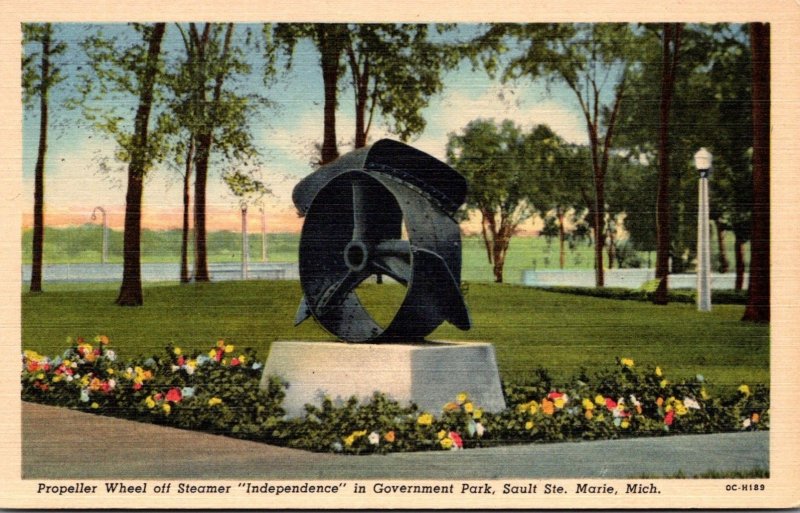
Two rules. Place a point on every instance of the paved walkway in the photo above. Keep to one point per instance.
(61, 443)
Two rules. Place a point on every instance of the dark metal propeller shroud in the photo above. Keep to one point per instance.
(354, 209)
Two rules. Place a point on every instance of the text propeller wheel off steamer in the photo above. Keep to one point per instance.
(355, 209)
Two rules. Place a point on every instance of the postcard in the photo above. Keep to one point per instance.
(428, 255)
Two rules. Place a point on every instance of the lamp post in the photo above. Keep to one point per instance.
(702, 161)
(104, 255)
(263, 235)
(245, 242)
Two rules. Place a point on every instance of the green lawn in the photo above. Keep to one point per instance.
(529, 328)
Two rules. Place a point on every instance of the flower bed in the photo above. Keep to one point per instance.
(218, 391)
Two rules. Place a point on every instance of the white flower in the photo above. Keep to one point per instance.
(479, 429)
(187, 392)
(746, 423)
(189, 369)
(256, 365)
(84, 395)
(112, 383)
(111, 355)
(336, 446)
(174, 368)
(68, 377)
(634, 401)
(374, 438)
(691, 403)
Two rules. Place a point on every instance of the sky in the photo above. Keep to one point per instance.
(284, 134)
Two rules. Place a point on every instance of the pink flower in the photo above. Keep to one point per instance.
(610, 403)
(181, 361)
(174, 395)
(158, 396)
(456, 438)
(669, 418)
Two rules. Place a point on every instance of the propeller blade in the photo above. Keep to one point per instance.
(303, 312)
(337, 293)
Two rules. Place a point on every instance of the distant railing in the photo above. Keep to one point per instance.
(627, 278)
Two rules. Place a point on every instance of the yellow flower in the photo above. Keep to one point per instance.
(625, 424)
(529, 425)
(658, 371)
(446, 443)
(599, 400)
(214, 401)
(85, 380)
(95, 406)
(150, 402)
(587, 404)
(40, 375)
(627, 362)
(468, 407)
(664, 383)
(745, 390)
(67, 363)
(681, 409)
(355, 435)
(559, 402)
(220, 343)
(704, 394)
(57, 378)
(242, 359)
(167, 408)
(441, 434)
(229, 348)
(177, 351)
(426, 419)
(461, 398)
(477, 414)
(110, 371)
(212, 353)
(600, 418)
(33, 355)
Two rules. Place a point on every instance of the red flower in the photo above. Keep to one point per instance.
(137, 386)
(555, 395)
(456, 438)
(158, 396)
(234, 362)
(610, 403)
(219, 355)
(174, 395)
(181, 361)
(106, 387)
(669, 418)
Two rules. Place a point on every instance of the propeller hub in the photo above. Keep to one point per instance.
(356, 255)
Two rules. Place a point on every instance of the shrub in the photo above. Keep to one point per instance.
(219, 392)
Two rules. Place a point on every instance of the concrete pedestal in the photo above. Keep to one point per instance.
(429, 374)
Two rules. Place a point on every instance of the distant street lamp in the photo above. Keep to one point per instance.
(104, 255)
(263, 235)
(245, 243)
(702, 161)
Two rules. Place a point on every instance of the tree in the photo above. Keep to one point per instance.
(129, 70)
(208, 120)
(37, 83)
(593, 61)
(501, 182)
(758, 298)
(670, 52)
(394, 70)
(330, 40)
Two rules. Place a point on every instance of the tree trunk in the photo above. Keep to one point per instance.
(758, 299)
(561, 237)
(200, 180)
(330, 41)
(130, 293)
(38, 190)
(724, 265)
(599, 215)
(187, 177)
(669, 54)
(738, 246)
(612, 248)
(205, 140)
